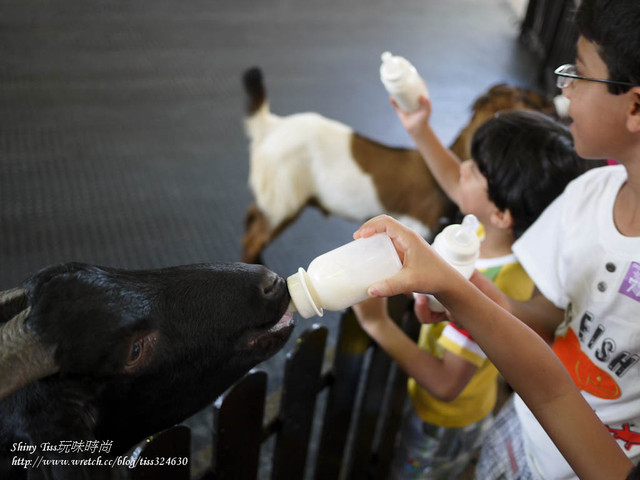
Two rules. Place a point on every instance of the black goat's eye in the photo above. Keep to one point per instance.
(136, 352)
(141, 352)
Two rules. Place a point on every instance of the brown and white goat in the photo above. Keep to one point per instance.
(91, 353)
(307, 159)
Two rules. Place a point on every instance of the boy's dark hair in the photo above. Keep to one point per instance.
(613, 26)
(527, 158)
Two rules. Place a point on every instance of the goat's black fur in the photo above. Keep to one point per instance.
(204, 327)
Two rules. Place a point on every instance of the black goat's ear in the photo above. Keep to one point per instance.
(12, 302)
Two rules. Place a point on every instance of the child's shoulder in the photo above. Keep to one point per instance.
(597, 179)
(587, 197)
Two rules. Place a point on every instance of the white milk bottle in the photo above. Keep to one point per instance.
(340, 278)
(402, 81)
(459, 245)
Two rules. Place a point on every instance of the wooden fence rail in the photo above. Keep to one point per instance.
(364, 395)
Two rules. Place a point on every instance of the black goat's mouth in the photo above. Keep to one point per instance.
(278, 333)
(284, 322)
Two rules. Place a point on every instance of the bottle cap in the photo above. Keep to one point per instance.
(459, 244)
(301, 295)
(393, 67)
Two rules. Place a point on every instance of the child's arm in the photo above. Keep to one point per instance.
(442, 162)
(524, 359)
(540, 314)
(443, 377)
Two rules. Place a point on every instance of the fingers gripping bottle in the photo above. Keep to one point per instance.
(340, 278)
(459, 245)
(402, 81)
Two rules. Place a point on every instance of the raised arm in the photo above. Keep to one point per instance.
(442, 162)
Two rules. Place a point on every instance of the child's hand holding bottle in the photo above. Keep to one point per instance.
(414, 122)
(371, 312)
(423, 312)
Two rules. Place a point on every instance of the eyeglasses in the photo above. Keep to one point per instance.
(568, 73)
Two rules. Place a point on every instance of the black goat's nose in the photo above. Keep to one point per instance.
(272, 285)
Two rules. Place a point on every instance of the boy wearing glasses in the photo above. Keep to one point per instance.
(583, 254)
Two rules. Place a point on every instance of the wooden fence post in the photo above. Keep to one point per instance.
(301, 384)
(239, 413)
(351, 346)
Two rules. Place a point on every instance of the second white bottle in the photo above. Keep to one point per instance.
(459, 245)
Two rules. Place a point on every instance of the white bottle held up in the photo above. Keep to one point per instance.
(459, 245)
(340, 278)
(402, 81)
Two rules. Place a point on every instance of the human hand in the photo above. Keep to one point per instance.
(423, 271)
(414, 122)
(371, 311)
(424, 314)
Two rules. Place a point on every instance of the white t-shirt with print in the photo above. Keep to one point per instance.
(580, 262)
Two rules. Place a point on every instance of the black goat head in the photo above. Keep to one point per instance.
(92, 352)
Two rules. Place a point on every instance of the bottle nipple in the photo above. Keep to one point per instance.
(467, 231)
(392, 68)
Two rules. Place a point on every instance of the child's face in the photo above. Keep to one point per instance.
(598, 126)
(474, 193)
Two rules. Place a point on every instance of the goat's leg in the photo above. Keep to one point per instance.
(257, 234)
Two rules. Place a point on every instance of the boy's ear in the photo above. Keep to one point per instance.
(501, 218)
(633, 120)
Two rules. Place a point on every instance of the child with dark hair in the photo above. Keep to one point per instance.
(521, 161)
(527, 160)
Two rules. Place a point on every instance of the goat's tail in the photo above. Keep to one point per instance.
(254, 87)
(259, 118)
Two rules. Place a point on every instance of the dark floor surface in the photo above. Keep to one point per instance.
(121, 135)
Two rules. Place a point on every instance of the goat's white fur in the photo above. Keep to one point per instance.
(302, 156)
